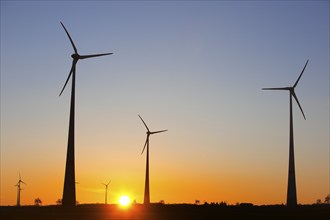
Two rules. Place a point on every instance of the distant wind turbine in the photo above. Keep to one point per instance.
(292, 192)
(69, 191)
(106, 191)
(19, 190)
(146, 188)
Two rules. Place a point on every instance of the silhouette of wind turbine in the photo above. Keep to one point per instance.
(292, 192)
(69, 191)
(19, 190)
(146, 188)
(106, 191)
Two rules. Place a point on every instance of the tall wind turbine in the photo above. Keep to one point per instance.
(146, 187)
(19, 190)
(291, 200)
(69, 191)
(106, 191)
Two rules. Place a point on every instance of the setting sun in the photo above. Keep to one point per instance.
(124, 200)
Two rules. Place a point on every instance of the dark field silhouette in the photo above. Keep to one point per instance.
(160, 211)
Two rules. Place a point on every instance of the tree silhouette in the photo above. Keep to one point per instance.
(59, 202)
(37, 202)
(327, 199)
(223, 203)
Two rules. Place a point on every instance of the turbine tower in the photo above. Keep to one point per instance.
(106, 191)
(291, 200)
(19, 190)
(146, 187)
(69, 191)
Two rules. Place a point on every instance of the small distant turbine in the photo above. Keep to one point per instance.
(19, 190)
(69, 189)
(292, 192)
(146, 188)
(106, 191)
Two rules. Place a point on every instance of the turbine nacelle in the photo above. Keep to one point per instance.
(106, 185)
(75, 56)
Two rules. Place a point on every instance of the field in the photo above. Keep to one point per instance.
(159, 211)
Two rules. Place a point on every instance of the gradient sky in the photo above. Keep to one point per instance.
(194, 68)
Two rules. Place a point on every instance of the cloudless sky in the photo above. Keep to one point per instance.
(195, 68)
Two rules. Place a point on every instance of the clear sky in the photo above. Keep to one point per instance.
(195, 68)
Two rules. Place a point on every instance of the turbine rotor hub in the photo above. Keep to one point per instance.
(75, 56)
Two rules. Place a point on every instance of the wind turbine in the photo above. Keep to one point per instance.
(146, 187)
(291, 200)
(69, 191)
(106, 191)
(19, 190)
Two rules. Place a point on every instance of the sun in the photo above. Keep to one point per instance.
(124, 200)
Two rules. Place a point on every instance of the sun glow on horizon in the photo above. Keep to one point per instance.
(124, 201)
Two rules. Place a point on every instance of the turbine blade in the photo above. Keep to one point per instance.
(147, 140)
(155, 132)
(144, 123)
(280, 88)
(300, 75)
(94, 55)
(23, 182)
(295, 97)
(74, 47)
(72, 69)
(109, 182)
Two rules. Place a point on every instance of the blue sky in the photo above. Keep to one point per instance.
(195, 68)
